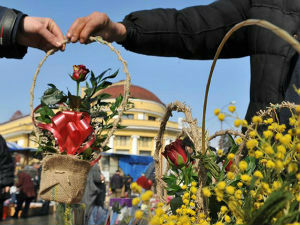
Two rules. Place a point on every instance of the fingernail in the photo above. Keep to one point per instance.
(68, 35)
(58, 44)
(73, 39)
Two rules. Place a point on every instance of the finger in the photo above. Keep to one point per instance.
(86, 32)
(50, 38)
(72, 28)
(54, 29)
(76, 30)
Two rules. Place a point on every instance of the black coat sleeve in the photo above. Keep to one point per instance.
(191, 33)
(10, 22)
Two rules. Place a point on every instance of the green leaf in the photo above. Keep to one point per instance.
(111, 76)
(52, 96)
(275, 203)
(99, 77)
(175, 203)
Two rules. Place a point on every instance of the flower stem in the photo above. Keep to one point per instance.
(77, 93)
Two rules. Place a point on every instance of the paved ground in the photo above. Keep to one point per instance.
(36, 220)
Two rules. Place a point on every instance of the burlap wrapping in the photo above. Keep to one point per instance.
(63, 179)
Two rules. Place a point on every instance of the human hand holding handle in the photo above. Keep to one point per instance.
(96, 24)
(41, 33)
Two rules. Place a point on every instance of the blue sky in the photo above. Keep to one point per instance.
(169, 78)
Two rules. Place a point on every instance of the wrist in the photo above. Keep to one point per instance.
(120, 32)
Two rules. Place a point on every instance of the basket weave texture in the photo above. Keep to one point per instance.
(63, 178)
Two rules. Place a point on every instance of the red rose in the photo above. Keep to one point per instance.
(227, 168)
(144, 182)
(80, 72)
(175, 154)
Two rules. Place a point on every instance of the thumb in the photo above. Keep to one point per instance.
(50, 38)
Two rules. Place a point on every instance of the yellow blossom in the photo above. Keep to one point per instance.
(206, 192)
(231, 108)
(194, 184)
(219, 223)
(256, 119)
(217, 111)
(221, 185)
(192, 204)
(281, 149)
(230, 190)
(243, 165)
(183, 187)
(159, 211)
(286, 139)
(251, 143)
(139, 214)
(237, 123)
(246, 178)
(221, 116)
(279, 165)
(230, 175)
(253, 133)
(194, 197)
(278, 136)
(193, 190)
(238, 140)
(230, 156)
(239, 184)
(155, 220)
(135, 201)
(227, 219)
(220, 152)
(238, 194)
(292, 168)
(223, 209)
(268, 134)
(258, 154)
(269, 150)
(276, 185)
(270, 164)
(258, 174)
(244, 123)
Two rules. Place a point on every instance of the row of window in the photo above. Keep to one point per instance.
(125, 140)
(130, 116)
(141, 152)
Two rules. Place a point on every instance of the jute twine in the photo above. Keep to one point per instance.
(177, 106)
(63, 177)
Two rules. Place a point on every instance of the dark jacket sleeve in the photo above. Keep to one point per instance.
(191, 33)
(6, 165)
(10, 22)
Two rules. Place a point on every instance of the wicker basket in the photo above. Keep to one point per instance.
(63, 177)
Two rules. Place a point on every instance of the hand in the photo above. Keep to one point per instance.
(41, 33)
(6, 189)
(96, 24)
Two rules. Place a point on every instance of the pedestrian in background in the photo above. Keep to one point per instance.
(6, 173)
(27, 194)
(116, 184)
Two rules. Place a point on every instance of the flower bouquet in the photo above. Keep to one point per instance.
(71, 130)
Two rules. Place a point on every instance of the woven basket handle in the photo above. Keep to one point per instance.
(123, 104)
(262, 23)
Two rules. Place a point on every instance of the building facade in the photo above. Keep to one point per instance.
(142, 124)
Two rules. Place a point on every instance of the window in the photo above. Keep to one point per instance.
(145, 152)
(151, 118)
(128, 116)
(122, 151)
(145, 141)
(122, 140)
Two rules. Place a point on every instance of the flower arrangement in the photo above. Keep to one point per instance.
(72, 124)
(71, 131)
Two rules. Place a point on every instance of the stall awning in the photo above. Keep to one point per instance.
(15, 147)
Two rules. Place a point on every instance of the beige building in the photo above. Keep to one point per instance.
(142, 124)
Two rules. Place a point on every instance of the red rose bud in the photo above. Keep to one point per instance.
(227, 168)
(175, 154)
(144, 182)
(80, 72)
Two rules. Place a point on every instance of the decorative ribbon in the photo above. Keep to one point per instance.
(70, 130)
